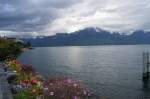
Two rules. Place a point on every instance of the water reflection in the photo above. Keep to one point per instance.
(146, 88)
(146, 84)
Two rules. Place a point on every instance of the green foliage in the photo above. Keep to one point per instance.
(24, 94)
(9, 48)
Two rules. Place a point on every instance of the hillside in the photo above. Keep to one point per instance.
(91, 36)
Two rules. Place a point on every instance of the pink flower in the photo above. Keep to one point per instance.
(51, 84)
(89, 94)
(75, 97)
(51, 93)
(84, 92)
(69, 80)
(75, 85)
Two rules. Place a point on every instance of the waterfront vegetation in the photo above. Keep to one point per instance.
(9, 48)
(29, 84)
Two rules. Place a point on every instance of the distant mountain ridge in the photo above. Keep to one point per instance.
(91, 36)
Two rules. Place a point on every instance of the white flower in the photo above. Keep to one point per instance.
(51, 93)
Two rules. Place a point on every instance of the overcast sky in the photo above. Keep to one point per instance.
(47, 17)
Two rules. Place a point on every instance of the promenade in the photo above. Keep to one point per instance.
(5, 92)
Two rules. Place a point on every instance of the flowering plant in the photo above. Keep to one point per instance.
(64, 88)
(30, 84)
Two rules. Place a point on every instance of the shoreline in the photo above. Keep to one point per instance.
(40, 84)
(26, 83)
(59, 85)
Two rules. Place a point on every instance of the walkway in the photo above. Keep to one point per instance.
(5, 92)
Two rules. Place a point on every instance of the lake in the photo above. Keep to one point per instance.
(112, 72)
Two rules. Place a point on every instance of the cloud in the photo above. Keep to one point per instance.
(47, 17)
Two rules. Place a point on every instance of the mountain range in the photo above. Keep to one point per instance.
(91, 36)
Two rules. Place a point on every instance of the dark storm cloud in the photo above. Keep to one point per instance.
(29, 15)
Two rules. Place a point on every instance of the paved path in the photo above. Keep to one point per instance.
(5, 92)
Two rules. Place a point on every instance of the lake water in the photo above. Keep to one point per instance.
(112, 72)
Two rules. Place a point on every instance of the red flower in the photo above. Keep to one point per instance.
(34, 81)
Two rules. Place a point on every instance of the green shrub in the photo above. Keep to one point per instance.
(9, 49)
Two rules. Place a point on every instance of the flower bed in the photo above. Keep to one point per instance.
(28, 84)
(64, 88)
